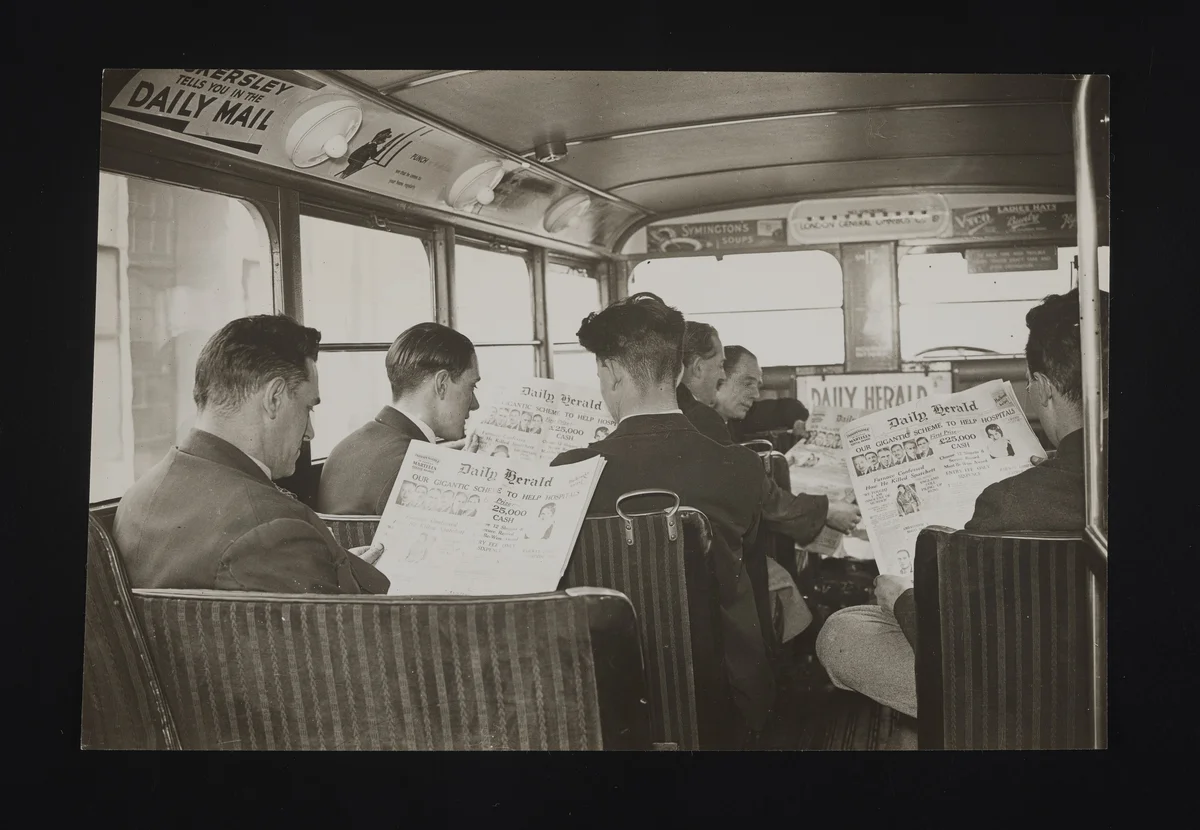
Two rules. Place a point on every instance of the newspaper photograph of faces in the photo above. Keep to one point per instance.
(925, 462)
(536, 419)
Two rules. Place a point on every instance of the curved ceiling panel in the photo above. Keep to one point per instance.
(1048, 173)
(512, 108)
(383, 78)
(1022, 130)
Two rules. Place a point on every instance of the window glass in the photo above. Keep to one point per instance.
(743, 282)
(506, 362)
(785, 307)
(815, 337)
(354, 387)
(998, 327)
(571, 295)
(493, 296)
(173, 266)
(362, 285)
(947, 312)
(575, 364)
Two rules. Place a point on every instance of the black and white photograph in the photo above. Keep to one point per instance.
(638, 287)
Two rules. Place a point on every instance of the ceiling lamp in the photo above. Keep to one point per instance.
(476, 186)
(566, 212)
(323, 131)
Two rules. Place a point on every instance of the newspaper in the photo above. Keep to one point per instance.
(481, 525)
(536, 419)
(925, 463)
(817, 466)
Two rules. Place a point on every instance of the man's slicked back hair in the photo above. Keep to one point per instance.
(248, 353)
(1053, 345)
(642, 333)
(733, 356)
(423, 351)
(699, 341)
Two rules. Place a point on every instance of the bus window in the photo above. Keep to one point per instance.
(361, 285)
(493, 305)
(571, 295)
(173, 265)
(785, 307)
(947, 312)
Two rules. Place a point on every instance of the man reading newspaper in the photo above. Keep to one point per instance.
(870, 649)
(535, 419)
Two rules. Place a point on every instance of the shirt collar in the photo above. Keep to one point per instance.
(421, 425)
(261, 466)
(664, 412)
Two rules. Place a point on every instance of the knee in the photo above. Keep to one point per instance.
(833, 642)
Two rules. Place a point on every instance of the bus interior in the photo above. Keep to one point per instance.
(872, 238)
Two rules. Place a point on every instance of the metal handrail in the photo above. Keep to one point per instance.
(1089, 324)
(1091, 353)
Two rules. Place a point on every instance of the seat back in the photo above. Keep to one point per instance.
(1004, 640)
(660, 561)
(559, 671)
(351, 531)
(123, 702)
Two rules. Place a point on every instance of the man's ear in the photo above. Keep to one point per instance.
(721, 381)
(274, 393)
(441, 382)
(1040, 389)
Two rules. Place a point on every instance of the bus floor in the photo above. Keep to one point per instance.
(811, 712)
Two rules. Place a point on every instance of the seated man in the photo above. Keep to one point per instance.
(637, 347)
(208, 515)
(871, 648)
(433, 372)
(798, 516)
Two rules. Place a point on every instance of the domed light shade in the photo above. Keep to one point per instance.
(566, 212)
(323, 131)
(476, 186)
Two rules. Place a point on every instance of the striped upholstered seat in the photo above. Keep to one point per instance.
(123, 703)
(660, 561)
(266, 671)
(351, 531)
(1004, 640)
(241, 670)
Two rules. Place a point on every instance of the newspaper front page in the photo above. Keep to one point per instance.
(817, 466)
(925, 463)
(536, 419)
(481, 525)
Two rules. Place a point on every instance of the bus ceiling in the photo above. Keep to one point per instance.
(587, 160)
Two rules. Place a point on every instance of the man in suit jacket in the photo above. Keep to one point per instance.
(208, 515)
(433, 372)
(871, 648)
(637, 346)
(800, 516)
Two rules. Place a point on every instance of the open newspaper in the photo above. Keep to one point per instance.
(925, 462)
(481, 525)
(535, 419)
(817, 466)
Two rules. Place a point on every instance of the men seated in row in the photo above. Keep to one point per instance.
(722, 383)
(208, 515)
(637, 345)
(433, 372)
(871, 648)
(729, 379)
